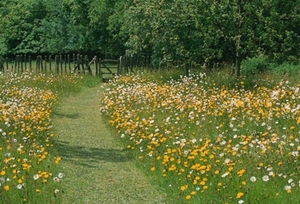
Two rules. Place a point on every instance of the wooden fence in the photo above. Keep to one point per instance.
(61, 64)
(48, 63)
(76, 63)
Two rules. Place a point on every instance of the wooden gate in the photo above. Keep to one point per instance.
(108, 68)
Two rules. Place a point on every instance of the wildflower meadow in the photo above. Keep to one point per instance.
(29, 163)
(208, 143)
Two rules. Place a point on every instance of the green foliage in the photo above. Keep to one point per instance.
(255, 65)
(20, 26)
(279, 35)
(212, 30)
(54, 26)
(287, 68)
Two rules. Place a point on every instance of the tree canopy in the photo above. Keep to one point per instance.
(181, 30)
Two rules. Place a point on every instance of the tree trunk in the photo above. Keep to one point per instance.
(238, 60)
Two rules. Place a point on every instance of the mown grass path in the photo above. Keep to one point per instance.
(96, 168)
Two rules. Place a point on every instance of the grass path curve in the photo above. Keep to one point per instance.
(96, 168)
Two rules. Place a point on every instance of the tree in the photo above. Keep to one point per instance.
(65, 28)
(236, 24)
(102, 25)
(166, 30)
(281, 36)
(116, 20)
(190, 30)
(227, 30)
(20, 21)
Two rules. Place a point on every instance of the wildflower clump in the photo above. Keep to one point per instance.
(209, 143)
(27, 167)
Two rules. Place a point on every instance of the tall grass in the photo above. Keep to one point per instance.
(212, 141)
(29, 169)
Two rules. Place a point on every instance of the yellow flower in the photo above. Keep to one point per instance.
(183, 187)
(57, 160)
(188, 197)
(239, 195)
(6, 187)
(241, 172)
(2, 173)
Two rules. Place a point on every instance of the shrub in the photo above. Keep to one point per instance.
(255, 65)
(287, 68)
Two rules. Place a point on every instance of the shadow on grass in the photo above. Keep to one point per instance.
(90, 157)
(64, 115)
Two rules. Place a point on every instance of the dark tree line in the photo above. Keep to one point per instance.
(179, 30)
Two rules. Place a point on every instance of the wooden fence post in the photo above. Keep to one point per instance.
(7, 63)
(37, 66)
(21, 61)
(65, 62)
(16, 63)
(50, 63)
(41, 63)
(30, 63)
(56, 64)
(86, 62)
(96, 66)
(2, 61)
(78, 63)
(45, 63)
(120, 65)
(25, 62)
(68, 61)
(74, 61)
(61, 64)
(82, 64)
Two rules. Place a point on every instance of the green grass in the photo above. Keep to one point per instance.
(97, 168)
